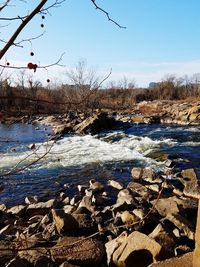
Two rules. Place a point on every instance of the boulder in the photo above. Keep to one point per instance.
(79, 251)
(40, 208)
(191, 183)
(166, 206)
(137, 250)
(95, 124)
(86, 202)
(182, 224)
(165, 239)
(65, 223)
(112, 245)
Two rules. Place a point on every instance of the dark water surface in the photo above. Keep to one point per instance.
(76, 159)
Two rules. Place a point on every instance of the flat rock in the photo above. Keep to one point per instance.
(78, 251)
(139, 249)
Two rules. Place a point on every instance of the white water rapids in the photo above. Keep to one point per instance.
(80, 150)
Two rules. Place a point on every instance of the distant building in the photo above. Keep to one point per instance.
(153, 85)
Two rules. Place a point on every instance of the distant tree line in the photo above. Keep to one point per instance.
(84, 93)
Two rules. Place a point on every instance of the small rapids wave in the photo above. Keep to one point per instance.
(81, 150)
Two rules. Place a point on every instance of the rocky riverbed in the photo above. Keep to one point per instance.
(150, 220)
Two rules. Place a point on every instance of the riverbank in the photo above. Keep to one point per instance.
(164, 112)
(151, 219)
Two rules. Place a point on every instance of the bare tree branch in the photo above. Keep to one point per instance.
(107, 14)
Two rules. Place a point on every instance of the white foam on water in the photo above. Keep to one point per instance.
(81, 150)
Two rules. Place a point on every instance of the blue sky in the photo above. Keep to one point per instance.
(162, 37)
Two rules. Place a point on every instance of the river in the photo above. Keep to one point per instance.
(75, 159)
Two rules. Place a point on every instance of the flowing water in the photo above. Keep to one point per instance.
(76, 159)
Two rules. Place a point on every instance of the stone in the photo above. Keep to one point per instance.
(112, 245)
(125, 196)
(166, 206)
(31, 200)
(182, 224)
(182, 261)
(139, 189)
(17, 210)
(65, 223)
(95, 185)
(2, 207)
(85, 221)
(40, 208)
(137, 248)
(31, 146)
(86, 202)
(115, 184)
(169, 163)
(95, 124)
(128, 218)
(69, 208)
(149, 175)
(191, 184)
(136, 173)
(165, 239)
(140, 213)
(153, 187)
(79, 251)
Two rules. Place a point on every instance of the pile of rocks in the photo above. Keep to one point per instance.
(149, 220)
(165, 112)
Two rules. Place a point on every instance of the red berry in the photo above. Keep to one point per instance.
(32, 54)
(30, 65)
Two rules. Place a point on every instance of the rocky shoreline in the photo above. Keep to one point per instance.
(164, 112)
(149, 222)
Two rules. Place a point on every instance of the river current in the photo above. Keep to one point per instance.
(75, 159)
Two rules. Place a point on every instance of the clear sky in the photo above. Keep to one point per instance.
(162, 37)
